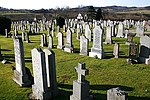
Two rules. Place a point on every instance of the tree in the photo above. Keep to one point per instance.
(91, 12)
(60, 21)
(5, 23)
(99, 14)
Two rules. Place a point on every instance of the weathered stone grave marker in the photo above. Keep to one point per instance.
(81, 86)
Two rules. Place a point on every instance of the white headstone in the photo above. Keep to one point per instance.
(40, 86)
(84, 45)
(108, 39)
(20, 75)
(120, 30)
(97, 48)
(68, 45)
(51, 71)
(60, 40)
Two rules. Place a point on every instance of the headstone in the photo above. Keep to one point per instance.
(52, 33)
(51, 71)
(133, 53)
(27, 37)
(126, 33)
(116, 50)
(50, 43)
(147, 61)
(64, 28)
(40, 86)
(48, 31)
(81, 86)
(97, 48)
(23, 36)
(42, 41)
(108, 39)
(129, 38)
(60, 40)
(45, 39)
(20, 75)
(144, 48)
(120, 30)
(116, 94)
(16, 32)
(68, 46)
(78, 32)
(88, 32)
(84, 45)
(6, 33)
(58, 29)
(139, 31)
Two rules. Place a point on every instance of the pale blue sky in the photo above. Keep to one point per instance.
(38, 4)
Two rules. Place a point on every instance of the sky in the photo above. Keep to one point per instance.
(47, 4)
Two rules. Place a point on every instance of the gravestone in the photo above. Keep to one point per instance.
(40, 86)
(120, 30)
(16, 32)
(78, 32)
(88, 32)
(116, 50)
(45, 39)
(144, 48)
(97, 48)
(133, 53)
(126, 33)
(6, 33)
(42, 41)
(116, 94)
(20, 76)
(68, 46)
(23, 36)
(58, 29)
(147, 61)
(48, 31)
(129, 38)
(81, 86)
(84, 45)
(60, 40)
(108, 39)
(27, 37)
(50, 43)
(51, 71)
(52, 33)
(139, 31)
(64, 28)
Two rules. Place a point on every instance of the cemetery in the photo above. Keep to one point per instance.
(82, 60)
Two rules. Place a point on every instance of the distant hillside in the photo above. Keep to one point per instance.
(109, 12)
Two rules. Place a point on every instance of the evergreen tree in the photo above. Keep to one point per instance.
(91, 13)
(99, 14)
(5, 23)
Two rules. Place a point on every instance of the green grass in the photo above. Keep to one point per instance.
(103, 73)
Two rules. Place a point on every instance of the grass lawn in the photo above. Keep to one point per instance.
(103, 73)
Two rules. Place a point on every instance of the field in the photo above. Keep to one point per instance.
(104, 73)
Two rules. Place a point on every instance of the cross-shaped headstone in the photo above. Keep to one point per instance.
(82, 72)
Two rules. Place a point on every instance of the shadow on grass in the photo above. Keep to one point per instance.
(5, 50)
(64, 95)
(9, 57)
(36, 34)
(98, 87)
(76, 50)
(28, 59)
(33, 41)
(108, 55)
